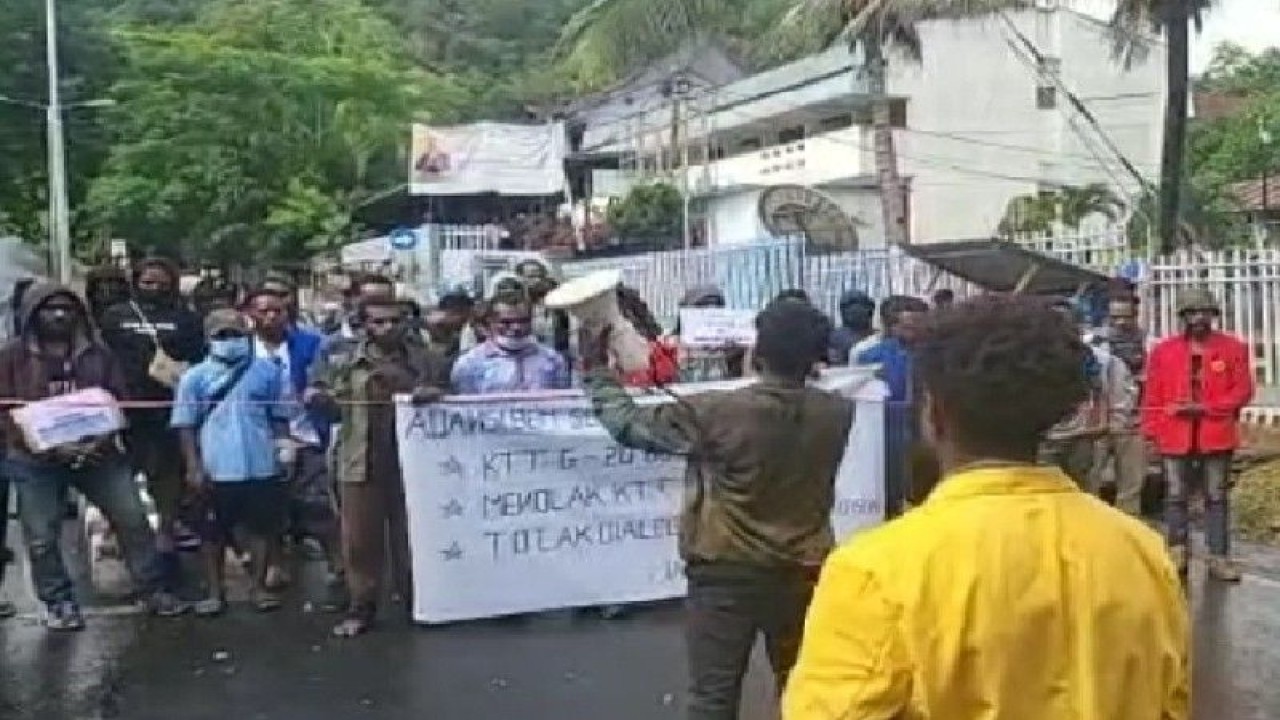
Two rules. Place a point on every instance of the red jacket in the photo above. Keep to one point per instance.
(1226, 386)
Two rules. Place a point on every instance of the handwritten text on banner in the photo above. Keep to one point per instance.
(523, 505)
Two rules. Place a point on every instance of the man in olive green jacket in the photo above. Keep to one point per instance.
(759, 490)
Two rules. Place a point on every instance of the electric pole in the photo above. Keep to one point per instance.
(59, 216)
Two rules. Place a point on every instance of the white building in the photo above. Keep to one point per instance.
(981, 119)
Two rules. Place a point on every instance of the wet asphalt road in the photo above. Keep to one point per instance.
(285, 666)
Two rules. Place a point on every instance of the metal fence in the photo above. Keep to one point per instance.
(1247, 282)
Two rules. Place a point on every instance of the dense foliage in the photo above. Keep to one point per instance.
(266, 129)
(648, 213)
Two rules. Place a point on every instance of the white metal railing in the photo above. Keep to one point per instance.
(1246, 282)
(817, 159)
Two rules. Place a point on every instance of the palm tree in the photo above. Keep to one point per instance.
(1173, 18)
(632, 26)
(1068, 207)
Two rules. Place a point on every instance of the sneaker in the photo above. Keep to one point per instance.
(165, 605)
(211, 606)
(7, 609)
(63, 616)
(1224, 570)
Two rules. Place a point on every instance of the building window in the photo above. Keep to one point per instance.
(791, 134)
(898, 113)
(1046, 97)
(837, 122)
(1046, 85)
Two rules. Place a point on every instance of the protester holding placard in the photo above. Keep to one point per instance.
(705, 364)
(1010, 592)
(762, 464)
(901, 317)
(357, 389)
(58, 353)
(856, 312)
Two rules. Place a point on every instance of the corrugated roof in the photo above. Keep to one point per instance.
(1000, 266)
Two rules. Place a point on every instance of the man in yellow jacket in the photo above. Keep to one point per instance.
(1009, 594)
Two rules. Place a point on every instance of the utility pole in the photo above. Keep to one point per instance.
(680, 90)
(59, 216)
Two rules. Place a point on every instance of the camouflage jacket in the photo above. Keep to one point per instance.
(762, 463)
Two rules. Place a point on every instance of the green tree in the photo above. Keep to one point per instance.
(649, 213)
(1067, 207)
(259, 130)
(1173, 19)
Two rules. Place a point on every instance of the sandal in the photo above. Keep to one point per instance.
(265, 601)
(210, 607)
(359, 620)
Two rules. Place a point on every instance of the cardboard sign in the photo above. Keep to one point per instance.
(717, 327)
(67, 419)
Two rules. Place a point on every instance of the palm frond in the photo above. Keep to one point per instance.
(896, 22)
(1136, 23)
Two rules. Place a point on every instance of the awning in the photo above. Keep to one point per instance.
(1002, 266)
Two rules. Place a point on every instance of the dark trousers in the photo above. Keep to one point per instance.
(728, 606)
(6, 555)
(1182, 474)
(42, 494)
(899, 439)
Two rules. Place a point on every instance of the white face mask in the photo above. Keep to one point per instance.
(230, 351)
(514, 344)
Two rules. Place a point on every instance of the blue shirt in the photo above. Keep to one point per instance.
(237, 438)
(895, 366)
(486, 369)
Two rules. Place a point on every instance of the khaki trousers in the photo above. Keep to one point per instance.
(375, 526)
(1121, 458)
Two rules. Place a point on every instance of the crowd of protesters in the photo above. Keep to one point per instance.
(257, 431)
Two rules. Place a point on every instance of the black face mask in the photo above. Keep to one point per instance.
(856, 317)
(152, 297)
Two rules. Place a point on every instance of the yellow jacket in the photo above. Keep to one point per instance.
(1008, 595)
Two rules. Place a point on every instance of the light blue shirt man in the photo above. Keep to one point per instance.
(237, 438)
(487, 369)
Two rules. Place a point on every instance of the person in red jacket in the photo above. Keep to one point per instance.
(1197, 383)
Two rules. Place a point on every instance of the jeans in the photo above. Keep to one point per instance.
(1215, 472)
(728, 606)
(42, 492)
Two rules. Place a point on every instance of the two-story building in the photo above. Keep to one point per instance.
(993, 110)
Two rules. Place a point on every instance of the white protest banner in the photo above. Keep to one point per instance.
(524, 504)
(487, 157)
(717, 327)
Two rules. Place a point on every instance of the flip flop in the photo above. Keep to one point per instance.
(265, 601)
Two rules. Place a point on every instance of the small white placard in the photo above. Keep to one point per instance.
(70, 418)
(717, 327)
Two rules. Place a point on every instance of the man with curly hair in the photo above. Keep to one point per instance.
(1009, 592)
